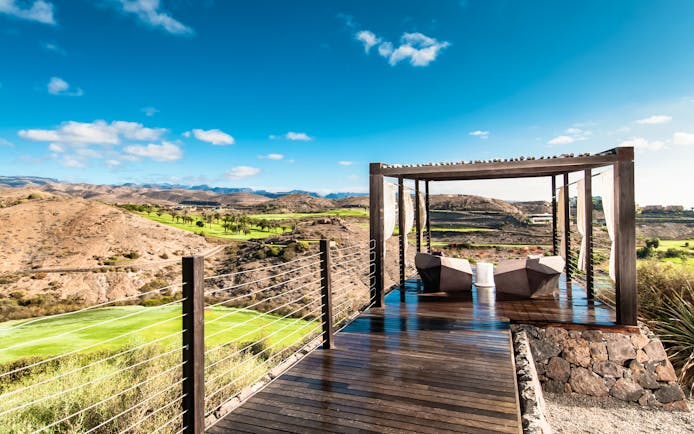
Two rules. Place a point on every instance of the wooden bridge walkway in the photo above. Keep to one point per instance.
(425, 365)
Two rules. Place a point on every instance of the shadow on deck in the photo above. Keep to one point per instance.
(422, 363)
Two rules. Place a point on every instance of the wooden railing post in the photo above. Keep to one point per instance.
(426, 204)
(401, 231)
(193, 345)
(567, 228)
(326, 295)
(555, 234)
(588, 194)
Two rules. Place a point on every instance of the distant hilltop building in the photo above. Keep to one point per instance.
(540, 219)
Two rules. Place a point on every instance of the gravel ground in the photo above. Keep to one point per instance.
(585, 414)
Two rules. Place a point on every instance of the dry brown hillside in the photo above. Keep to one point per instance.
(462, 202)
(45, 231)
(299, 203)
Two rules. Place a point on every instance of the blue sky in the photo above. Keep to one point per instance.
(282, 95)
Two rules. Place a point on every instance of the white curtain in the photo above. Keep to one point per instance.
(389, 207)
(422, 210)
(409, 216)
(607, 194)
(560, 222)
(581, 223)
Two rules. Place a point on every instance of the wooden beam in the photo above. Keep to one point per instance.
(555, 236)
(417, 220)
(193, 323)
(426, 205)
(376, 233)
(567, 227)
(625, 237)
(503, 169)
(401, 231)
(588, 194)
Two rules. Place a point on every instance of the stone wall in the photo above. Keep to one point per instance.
(630, 367)
(532, 401)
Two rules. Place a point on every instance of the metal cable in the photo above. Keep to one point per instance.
(293, 270)
(170, 421)
(269, 267)
(139, 422)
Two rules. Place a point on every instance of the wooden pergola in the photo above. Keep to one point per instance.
(621, 159)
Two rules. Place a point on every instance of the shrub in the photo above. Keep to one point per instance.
(653, 243)
(164, 256)
(132, 255)
(645, 252)
(675, 253)
(200, 224)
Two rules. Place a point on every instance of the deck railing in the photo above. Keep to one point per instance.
(211, 343)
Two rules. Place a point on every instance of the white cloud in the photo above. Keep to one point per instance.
(683, 139)
(418, 48)
(58, 86)
(644, 144)
(149, 111)
(98, 132)
(480, 133)
(298, 136)
(148, 12)
(368, 39)
(214, 136)
(655, 119)
(345, 163)
(5, 142)
(574, 130)
(561, 140)
(49, 46)
(240, 172)
(271, 157)
(40, 11)
(167, 151)
(56, 147)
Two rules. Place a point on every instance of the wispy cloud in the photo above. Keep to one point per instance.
(571, 135)
(241, 172)
(298, 136)
(480, 133)
(58, 86)
(643, 144)
(345, 163)
(53, 48)
(417, 48)
(214, 136)
(5, 142)
(149, 111)
(654, 120)
(167, 151)
(150, 13)
(683, 139)
(271, 157)
(40, 11)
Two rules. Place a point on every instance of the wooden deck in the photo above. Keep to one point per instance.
(423, 363)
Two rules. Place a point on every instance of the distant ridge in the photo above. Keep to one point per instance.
(28, 181)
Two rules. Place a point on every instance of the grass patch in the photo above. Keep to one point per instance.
(142, 317)
(344, 212)
(215, 229)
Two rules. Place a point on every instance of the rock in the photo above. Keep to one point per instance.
(648, 381)
(636, 369)
(665, 372)
(543, 350)
(669, 393)
(556, 334)
(577, 351)
(593, 335)
(575, 334)
(639, 341)
(598, 351)
(641, 356)
(229, 405)
(626, 390)
(540, 368)
(211, 419)
(619, 347)
(609, 382)
(608, 369)
(567, 388)
(558, 369)
(553, 386)
(648, 399)
(676, 406)
(654, 350)
(586, 382)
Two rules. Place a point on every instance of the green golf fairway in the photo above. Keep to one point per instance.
(64, 334)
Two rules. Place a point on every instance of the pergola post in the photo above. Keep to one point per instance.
(376, 232)
(588, 194)
(426, 205)
(555, 237)
(417, 220)
(401, 229)
(567, 228)
(625, 237)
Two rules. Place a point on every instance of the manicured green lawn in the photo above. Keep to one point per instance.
(676, 244)
(11, 335)
(213, 230)
(344, 212)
